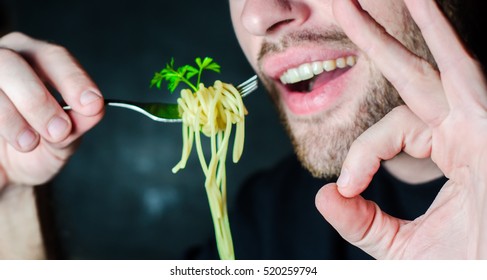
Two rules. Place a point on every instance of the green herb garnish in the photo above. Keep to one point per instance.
(184, 74)
(215, 183)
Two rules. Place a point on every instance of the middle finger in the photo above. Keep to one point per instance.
(416, 80)
(31, 98)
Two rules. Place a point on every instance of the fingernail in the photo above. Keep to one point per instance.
(26, 138)
(343, 179)
(57, 127)
(88, 97)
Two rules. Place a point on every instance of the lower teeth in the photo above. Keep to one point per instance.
(311, 84)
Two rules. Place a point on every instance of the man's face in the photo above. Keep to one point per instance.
(326, 90)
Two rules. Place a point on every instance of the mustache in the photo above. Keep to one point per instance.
(334, 37)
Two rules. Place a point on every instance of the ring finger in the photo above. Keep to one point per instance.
(14, 129)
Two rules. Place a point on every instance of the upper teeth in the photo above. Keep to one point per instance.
(309, 70)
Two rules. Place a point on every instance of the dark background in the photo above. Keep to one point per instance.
(117, 198)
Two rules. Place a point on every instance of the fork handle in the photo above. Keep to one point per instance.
(107, 101)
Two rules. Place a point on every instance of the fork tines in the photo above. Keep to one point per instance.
(248, 86)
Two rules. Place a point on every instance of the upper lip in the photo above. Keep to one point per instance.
(275, 64)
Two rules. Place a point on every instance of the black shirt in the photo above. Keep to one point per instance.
(275, 215)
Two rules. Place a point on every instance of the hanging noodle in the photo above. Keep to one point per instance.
(212, 111)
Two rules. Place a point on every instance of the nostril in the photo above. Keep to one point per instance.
(259, 17)
(276, 25)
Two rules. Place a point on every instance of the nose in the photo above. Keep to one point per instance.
(263, 17)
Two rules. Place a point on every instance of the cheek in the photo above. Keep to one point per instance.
(250, 44)
(388, 13)
(251, 51)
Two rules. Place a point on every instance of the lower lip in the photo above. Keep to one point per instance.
(320, 98)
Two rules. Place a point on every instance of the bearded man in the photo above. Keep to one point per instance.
(385, 106)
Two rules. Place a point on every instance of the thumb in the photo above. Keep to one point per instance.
(81, 124)
(361, 222)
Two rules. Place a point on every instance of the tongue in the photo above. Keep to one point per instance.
(326, 77)
(315, 82)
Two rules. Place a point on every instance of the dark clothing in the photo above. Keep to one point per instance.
(275, 215)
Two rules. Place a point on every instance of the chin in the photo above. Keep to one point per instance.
(321, 140)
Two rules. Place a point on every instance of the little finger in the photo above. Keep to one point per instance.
(461, 74)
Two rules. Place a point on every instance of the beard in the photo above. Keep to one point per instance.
(322, 141)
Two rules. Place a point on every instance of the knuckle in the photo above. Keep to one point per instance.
(400, 112)
(420, 72)
(10, 121)
(360, 145)
(40, 103)
(59, 54)
(22, 42)
(6, 117)
(14, 36)
(361, 142)
(55, 50)
(8, 56)
(77, 78)
(397, 114)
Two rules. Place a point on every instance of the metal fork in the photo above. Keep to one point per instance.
(168, 112)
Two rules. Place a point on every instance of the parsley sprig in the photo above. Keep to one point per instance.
(174, 76)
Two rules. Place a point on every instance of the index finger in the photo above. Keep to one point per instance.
(416, 80)
(55, 65)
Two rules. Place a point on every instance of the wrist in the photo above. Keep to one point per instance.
(19, 224)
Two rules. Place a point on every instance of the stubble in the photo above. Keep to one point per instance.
(322, 141)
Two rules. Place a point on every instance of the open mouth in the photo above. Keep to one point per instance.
(308, 76)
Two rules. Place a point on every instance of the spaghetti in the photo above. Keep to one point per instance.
(212, 111)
